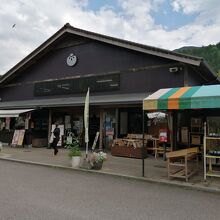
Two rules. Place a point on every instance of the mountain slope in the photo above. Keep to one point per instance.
(210, 53)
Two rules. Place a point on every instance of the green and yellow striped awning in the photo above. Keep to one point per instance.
(195, 97)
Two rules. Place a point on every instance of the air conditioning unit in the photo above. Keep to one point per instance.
(173, 69)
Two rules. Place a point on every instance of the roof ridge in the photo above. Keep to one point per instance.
(67, 28)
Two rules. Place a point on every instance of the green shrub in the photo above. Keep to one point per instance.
(74, 149)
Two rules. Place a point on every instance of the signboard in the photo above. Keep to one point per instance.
(18, 138)
(163, 135)
(109, 130)
(95, 140)
(97, 83)
(7, 123)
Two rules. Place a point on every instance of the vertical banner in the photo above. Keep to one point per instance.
(26, 124)
(7, 123)
(86, 121)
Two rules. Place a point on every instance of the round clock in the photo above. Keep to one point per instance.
(71, 60)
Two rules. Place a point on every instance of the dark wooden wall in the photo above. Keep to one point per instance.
(97, 58)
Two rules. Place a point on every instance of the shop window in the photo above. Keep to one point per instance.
(135, 123)
(123, 123)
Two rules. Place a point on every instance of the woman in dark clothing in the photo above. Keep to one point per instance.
(56, 139)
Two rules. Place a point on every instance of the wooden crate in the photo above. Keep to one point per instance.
(195, 139)
(128, 151)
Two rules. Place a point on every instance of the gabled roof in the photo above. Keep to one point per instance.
(67, 28)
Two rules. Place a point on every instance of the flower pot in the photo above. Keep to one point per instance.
(75, 161)
(97, 165)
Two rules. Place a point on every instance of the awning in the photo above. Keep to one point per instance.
(13, 113)
(196, 97)
(114, 99)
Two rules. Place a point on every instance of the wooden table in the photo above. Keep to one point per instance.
(177, 163)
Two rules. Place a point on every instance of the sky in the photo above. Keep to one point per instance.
(168, 24)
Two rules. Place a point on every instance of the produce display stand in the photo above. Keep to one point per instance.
(126, 147)
(207, 156)
(182, 163)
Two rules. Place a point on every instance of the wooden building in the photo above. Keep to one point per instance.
(54, 78)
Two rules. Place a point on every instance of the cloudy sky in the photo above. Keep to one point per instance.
(169, 24)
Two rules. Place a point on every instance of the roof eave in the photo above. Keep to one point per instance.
(135, 46)
(207, 66)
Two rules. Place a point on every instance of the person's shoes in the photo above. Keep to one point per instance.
(55, 152)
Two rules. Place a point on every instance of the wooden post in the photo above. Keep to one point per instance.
(168, 167)
(186, 77)
(204, 151)
(116, 122)
(143, 119)
(170, 126)
(101, 129)
(49, 125)
(186, 167)
(174, 130)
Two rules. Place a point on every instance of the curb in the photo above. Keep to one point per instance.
(174, 183)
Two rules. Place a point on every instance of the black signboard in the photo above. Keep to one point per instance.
(78, 85)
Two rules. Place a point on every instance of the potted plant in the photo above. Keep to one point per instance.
(97, 159)
(74, 152)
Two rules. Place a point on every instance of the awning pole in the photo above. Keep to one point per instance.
(175, 122)
(143, 118)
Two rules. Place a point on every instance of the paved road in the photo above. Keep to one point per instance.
(33, 192)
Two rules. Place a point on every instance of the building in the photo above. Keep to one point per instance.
(54, 78)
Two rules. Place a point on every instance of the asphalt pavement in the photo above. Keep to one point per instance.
(35, 192)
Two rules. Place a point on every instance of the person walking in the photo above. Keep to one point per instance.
(56, 139)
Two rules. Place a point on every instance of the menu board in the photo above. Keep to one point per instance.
(18, 138)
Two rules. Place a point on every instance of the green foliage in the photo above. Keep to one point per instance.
(73, 152)
(74, 149)
(210, 53)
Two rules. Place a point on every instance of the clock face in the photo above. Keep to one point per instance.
(71, 60)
